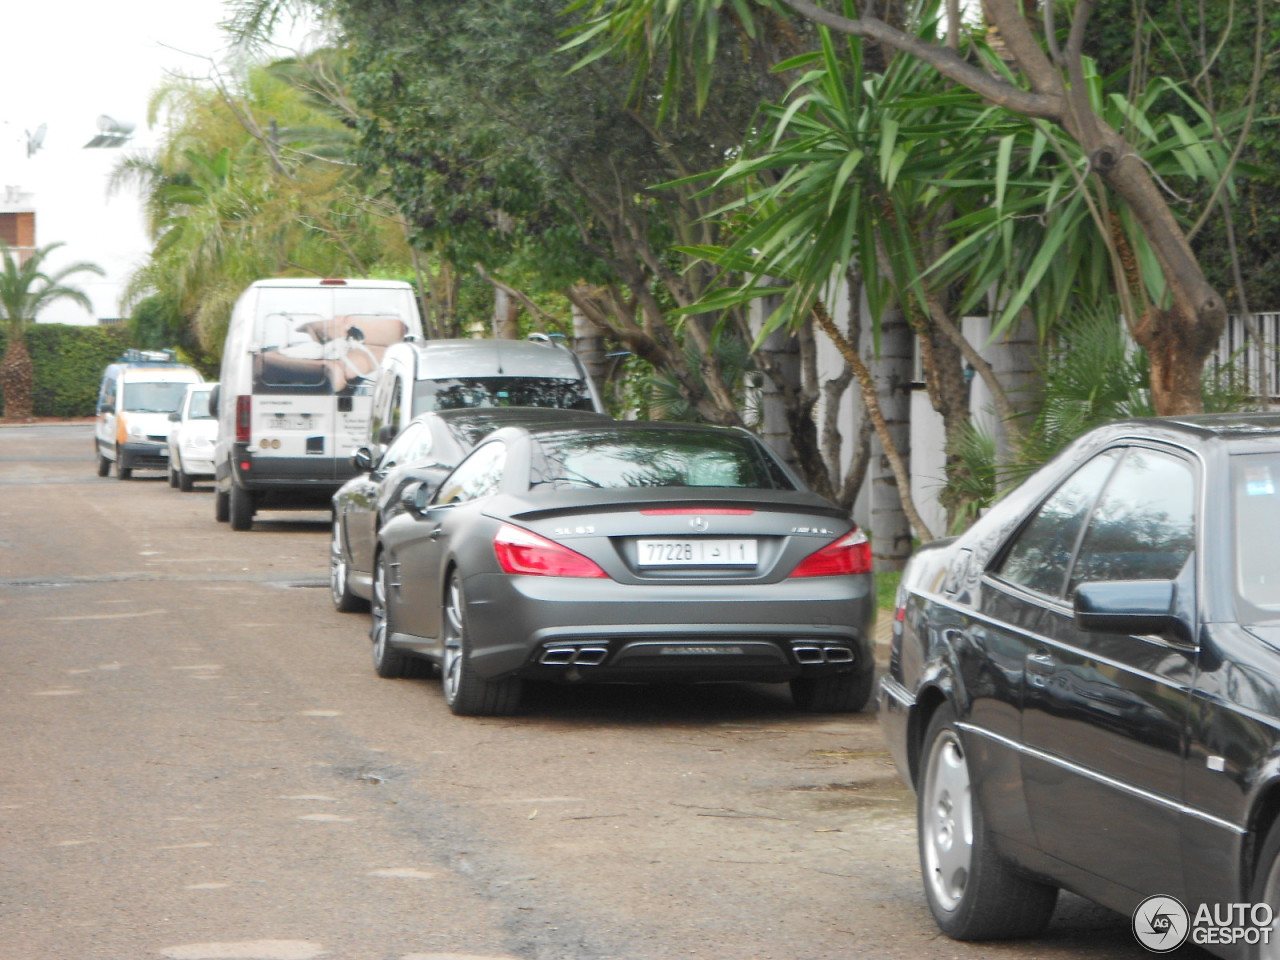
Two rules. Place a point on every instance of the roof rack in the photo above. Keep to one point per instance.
(133, 355)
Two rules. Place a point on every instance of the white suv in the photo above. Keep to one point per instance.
(191, 440)
(137, 394)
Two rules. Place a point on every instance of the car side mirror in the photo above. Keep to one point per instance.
(175, 417)
(362, 460)
(214, 396)
(386, 433)
(416, 497)
(104, 408)
(1126, 606)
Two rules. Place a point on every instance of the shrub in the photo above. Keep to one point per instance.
(68, 361)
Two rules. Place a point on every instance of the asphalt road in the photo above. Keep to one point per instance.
(197, 762)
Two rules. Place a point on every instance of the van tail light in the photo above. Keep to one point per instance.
(850, 554)
(244, 418)
(523, 551)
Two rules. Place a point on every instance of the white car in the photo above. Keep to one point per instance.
(192, 438)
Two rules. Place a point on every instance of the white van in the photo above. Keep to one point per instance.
(135, 398)
(296, 385)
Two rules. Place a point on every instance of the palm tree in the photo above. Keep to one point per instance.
(25, 290)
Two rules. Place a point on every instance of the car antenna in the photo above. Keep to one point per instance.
(497, 346)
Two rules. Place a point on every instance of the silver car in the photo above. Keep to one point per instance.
(633, 552)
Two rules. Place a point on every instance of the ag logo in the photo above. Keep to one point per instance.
(1161, 924)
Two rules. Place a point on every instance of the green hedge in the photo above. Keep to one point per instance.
(68, 362)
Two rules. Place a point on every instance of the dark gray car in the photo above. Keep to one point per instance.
(425, 451)
(623, 552)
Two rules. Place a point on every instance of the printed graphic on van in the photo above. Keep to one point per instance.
(334, 350)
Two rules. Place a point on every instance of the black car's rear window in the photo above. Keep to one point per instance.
(461, 392)
(1255, 498)
(656, 458)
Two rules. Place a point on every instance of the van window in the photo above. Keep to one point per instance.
(329, 339)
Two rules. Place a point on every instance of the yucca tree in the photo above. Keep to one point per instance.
(25, 290)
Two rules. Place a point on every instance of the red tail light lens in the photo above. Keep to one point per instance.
(850, 554)
(523, 551)
(244, 418)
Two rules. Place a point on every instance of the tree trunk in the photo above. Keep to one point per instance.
(17, 379)
(589, 346)
(1013, 362)
(892, 367)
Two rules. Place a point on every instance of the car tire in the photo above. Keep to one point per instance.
(185, 481)
(122, 472)
(388, 662)
(173, 476)
(344, 601)
(240, 507)
(467, 694)
(834, 693)
(221, 506)
(1266, 889)
(973, 894)
(104, 466)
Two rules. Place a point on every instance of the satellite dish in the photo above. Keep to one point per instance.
(36, 140)
(111, 132)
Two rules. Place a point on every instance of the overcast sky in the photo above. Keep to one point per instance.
(65, 64)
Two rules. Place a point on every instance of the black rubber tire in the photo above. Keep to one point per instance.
(389, 662)
(344, 601)
(122, 472)
(173, 476)
(974, 895)
(185, 481)
(466, 693)
(1265, 888)
(104, 466)
(221, 506)
(240, 507)
(834, 693)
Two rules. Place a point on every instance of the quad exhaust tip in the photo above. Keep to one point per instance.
(813, 653)
(574, 656)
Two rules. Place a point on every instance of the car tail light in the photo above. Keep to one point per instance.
(332, 282)
(523, 551)
(244, 418)
(850, 554)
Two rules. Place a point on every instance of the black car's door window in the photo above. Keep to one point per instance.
(413, 444)
(1143, 527)
(1040, 555)
(478, 476)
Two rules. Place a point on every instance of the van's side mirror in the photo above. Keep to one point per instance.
(362, 460)
(214, 396)
(104, 408)
(175, 417)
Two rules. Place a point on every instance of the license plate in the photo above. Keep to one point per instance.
(696, 553)
(279, 422)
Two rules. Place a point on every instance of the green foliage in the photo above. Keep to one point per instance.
(68, 362)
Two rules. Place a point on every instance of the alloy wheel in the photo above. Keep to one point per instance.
(946, 821)
(451, 668)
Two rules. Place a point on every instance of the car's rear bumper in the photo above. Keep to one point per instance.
(583, 630)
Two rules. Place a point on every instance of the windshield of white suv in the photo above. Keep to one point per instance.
(456, 393)
(159, 396)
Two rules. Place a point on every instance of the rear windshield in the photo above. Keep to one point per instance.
(1255, 497)
(656, 458)
(156, 396)
(460, 392)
